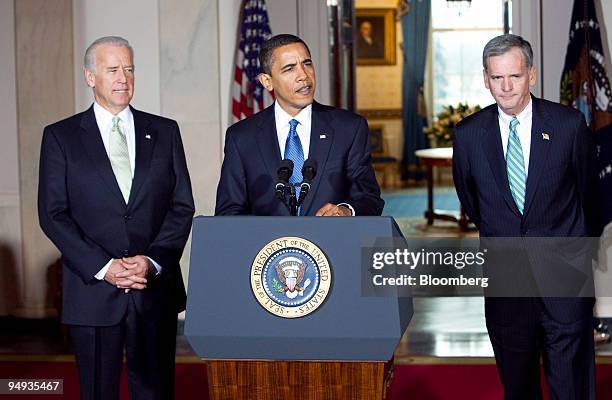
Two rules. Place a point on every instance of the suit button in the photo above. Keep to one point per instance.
(127, 216)
(125, 253)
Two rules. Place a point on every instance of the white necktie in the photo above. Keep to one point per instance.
(120, 158)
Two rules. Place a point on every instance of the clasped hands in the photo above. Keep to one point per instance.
(129, 272)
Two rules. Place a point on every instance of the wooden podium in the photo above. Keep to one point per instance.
(275, 380)
(342, 350)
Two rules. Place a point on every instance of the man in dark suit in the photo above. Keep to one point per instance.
(297, 128)
(524, 167)
(115, 198)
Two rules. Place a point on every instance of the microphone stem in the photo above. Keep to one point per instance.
(293, 206)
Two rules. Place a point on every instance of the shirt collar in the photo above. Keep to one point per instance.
(283, 118)
(522, 117)
(105, 117)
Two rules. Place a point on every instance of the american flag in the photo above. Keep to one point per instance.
(248, 96)
(584, 80)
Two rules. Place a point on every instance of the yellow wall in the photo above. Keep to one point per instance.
(380, 87)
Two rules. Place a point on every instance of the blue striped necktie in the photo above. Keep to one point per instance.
(294, 152)
(515, 166)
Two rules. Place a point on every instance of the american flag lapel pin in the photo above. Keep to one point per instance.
(545, 136)
(323, 136)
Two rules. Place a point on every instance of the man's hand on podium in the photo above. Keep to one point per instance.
(333, 210)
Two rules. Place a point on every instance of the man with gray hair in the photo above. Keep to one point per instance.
(115, 197)
(524, 167)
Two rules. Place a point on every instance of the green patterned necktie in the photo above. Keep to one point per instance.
(120, 158)
(515, 166)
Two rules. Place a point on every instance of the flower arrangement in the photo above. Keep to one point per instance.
(444, 123)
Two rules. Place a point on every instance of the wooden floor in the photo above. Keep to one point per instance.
(449, 327)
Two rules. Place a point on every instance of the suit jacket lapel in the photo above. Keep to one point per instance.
(492, 147)
(94, 146)
(145, 143)
(267, 141)
(321, 138)
(538, 153)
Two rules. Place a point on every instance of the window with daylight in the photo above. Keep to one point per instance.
(459, 33)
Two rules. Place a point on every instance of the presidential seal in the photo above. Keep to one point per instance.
(290, 277)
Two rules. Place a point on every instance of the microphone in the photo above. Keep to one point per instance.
(309, 171)
(284, 172)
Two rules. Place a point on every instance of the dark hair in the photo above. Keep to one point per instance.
(268, 47)
(502, 44)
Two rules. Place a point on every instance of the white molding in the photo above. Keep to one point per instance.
(9, 151)
(9, 199)
(526, 22)
(313, 29)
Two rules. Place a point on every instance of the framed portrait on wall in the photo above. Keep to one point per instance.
(375, 36)
(376, 139)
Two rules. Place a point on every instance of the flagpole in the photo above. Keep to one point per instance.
(587, 39)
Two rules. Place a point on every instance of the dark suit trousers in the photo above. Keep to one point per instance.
(149, 352)
(567, 351)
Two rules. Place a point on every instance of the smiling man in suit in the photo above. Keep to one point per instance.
(115, 198)
(296, 127)
(524, 167)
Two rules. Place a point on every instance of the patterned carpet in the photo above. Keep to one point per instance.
(407, 203)
(407, 206)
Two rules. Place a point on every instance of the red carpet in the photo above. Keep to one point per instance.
(190, 379)
(411, 381)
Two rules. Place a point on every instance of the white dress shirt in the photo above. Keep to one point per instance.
(523, 129)
(282, 119)
(303, 128)
(104, 119)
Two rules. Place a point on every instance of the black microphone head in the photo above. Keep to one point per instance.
(309, 170)
(285, 170)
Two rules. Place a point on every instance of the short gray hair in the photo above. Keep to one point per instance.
(502, 44)
(89, 61)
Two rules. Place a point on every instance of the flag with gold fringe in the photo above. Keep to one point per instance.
(584, 81)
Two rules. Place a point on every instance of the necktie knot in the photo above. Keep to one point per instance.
(292, 126)
(513, 123)
(116, 121)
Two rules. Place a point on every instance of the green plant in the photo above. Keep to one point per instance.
(444, 123)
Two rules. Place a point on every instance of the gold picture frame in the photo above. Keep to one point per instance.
(377, 132)
(375, 36)
(381, 113)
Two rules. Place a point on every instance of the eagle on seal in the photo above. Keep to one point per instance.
(290, 271)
